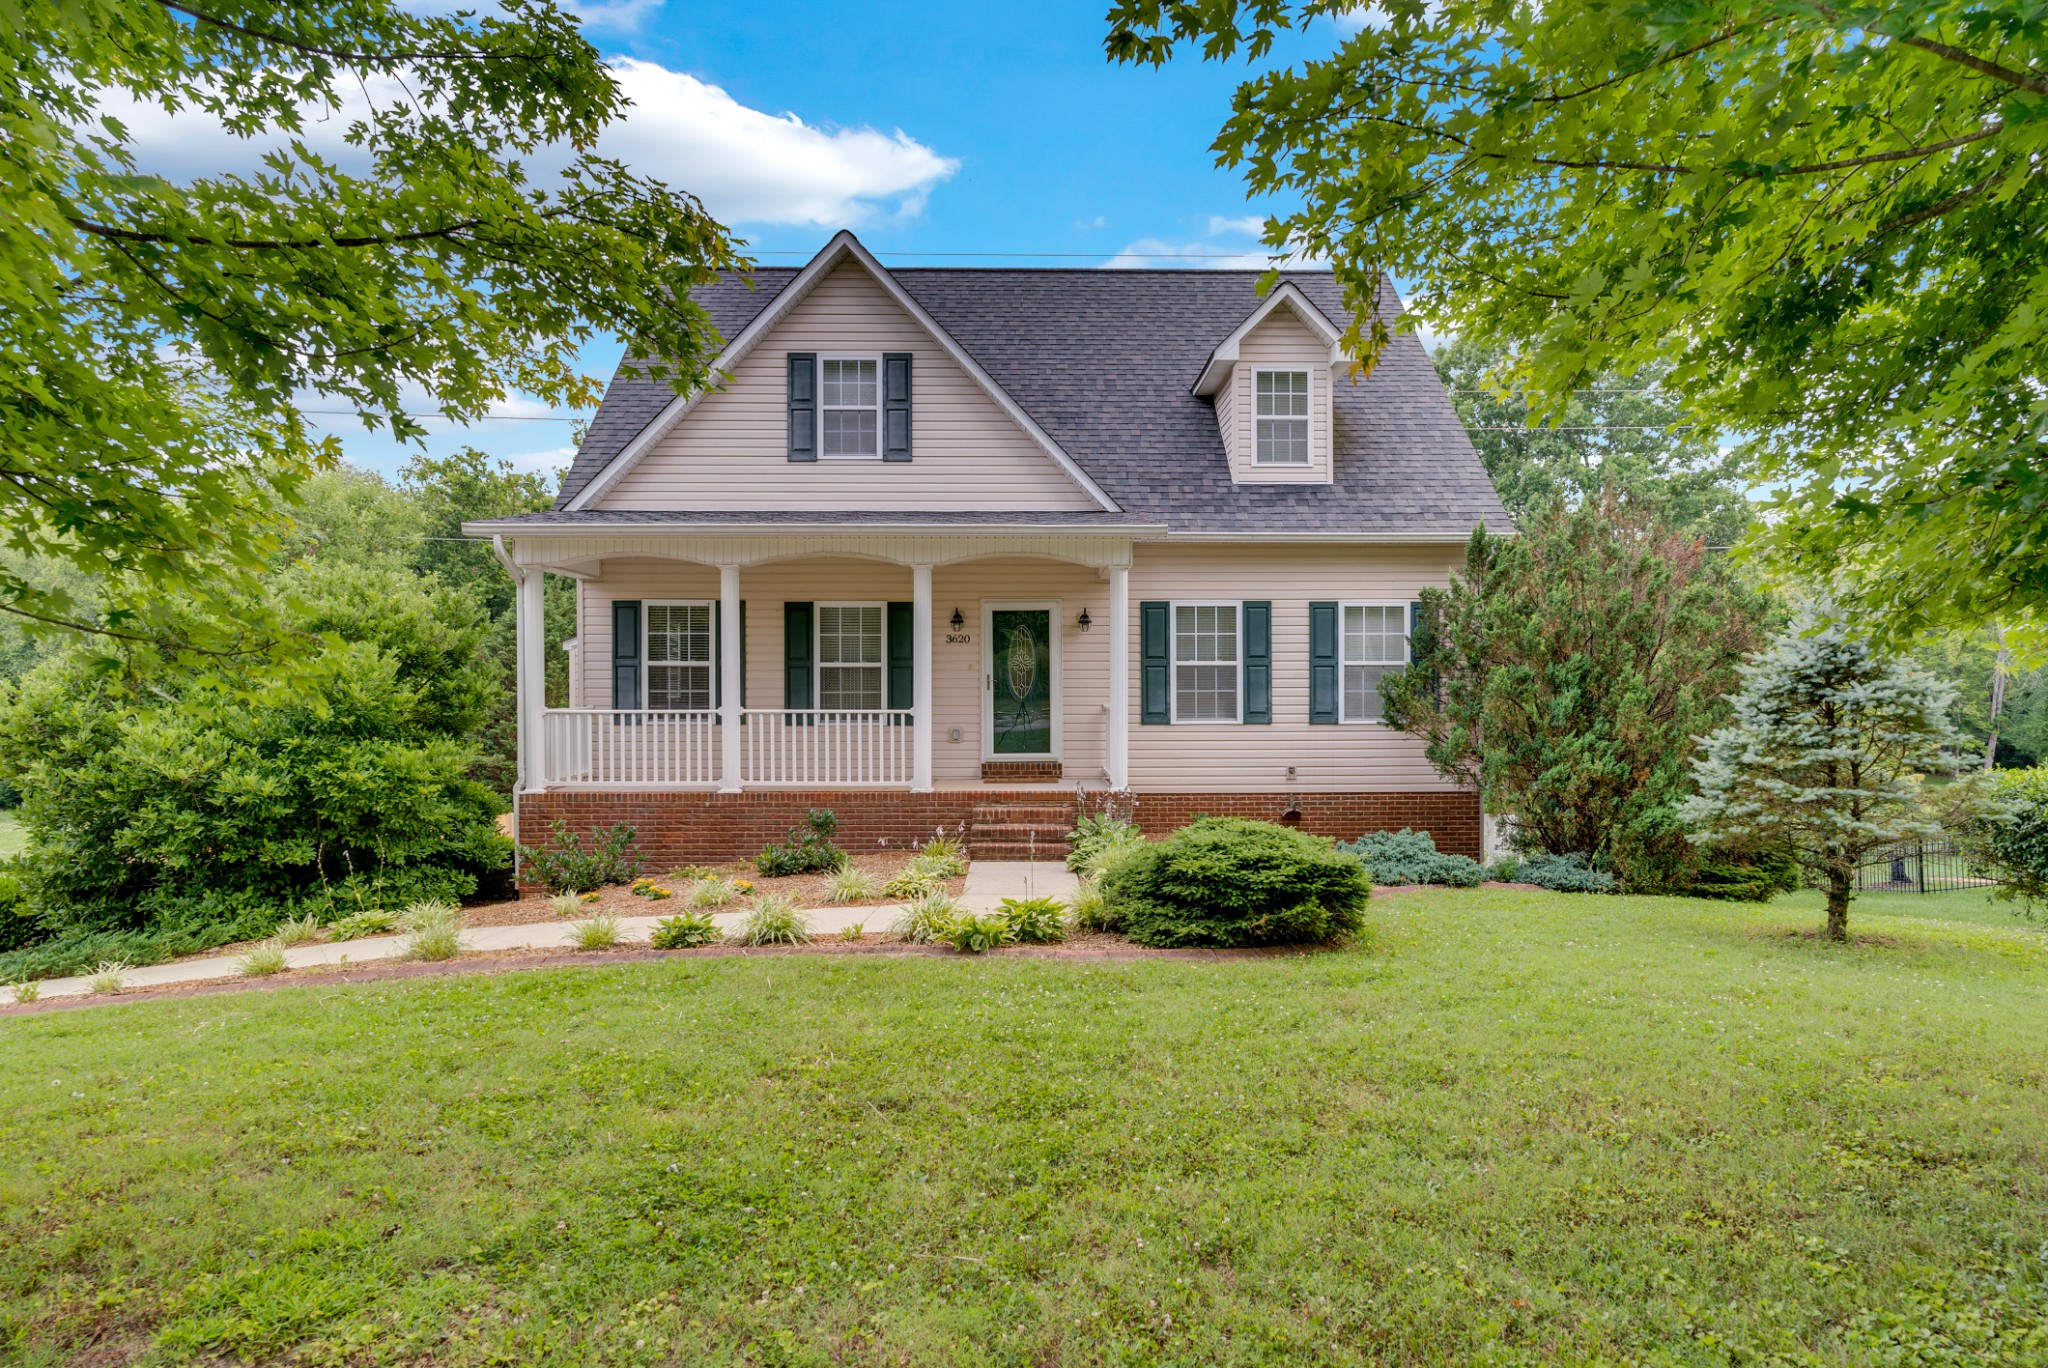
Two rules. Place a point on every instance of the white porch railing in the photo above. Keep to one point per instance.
(779, 746)
(603, 748)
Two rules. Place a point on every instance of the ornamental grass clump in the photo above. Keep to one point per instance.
(927, 919)
(1229, 881)
(715, 891)
(26, 991)
(775, 920)
(911, 883)
(263, 960)
(109, 977)
(1095, 836)
(297, 930)
(942, 857)
(685, 931)
(1088, 910)
(565, 904)
(852, 884)
(434, 931)
(600, 932)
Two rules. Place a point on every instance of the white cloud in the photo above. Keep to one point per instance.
(1223, 246)
(753, 167)
(748, 166)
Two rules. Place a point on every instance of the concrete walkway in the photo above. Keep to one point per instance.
(988, 883)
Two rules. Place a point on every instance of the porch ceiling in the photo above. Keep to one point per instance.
(581, 551)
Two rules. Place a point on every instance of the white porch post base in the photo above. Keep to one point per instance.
(729, 678)
(921, 676)
(1118, 762)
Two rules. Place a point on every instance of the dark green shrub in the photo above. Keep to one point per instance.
(685, 931)
(2014, 846)
(1228, 881)
(18, 925)
(1745, 878)
(1565, 874)
(1411, 857)
(808, 849)
(223, 795)
(566, 867)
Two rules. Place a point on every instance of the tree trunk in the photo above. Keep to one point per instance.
(1840, 878)
(1998, 665)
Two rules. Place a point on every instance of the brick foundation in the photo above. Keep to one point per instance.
(1020, 771)
(684, 827)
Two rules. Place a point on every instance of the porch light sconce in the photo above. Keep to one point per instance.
(1084, 622)
(957, 621)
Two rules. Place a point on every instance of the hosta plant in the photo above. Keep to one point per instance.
(979, 932)
(685, 931)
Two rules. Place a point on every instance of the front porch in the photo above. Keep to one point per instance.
(730, 663)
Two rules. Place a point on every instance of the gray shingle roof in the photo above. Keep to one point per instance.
(723, 517)
(1103, 361)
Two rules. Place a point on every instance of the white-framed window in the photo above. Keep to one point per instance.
(678, 656)
(850, 656)
(1280, 417)
(1375, 645)
(1207, 665)
(850, 407)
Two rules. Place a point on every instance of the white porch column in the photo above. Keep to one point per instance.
(729, 678)
(530, 676)
(921, 677)
(1118, 761)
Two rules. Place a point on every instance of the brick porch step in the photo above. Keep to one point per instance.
(1020, 830)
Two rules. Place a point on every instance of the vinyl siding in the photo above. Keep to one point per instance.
(1281, 341)
(731, 450)
(1226, 757)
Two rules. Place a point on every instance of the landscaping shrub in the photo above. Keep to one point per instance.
(775, 920)
(18, 923)
(76, 952)
(214, 798)
(107, 977)
(979, 932)
(1089, 910)
(565, 905)
(435, 931)
(26, 990)
(2014, 842)
(1565, 874)
(1034, 921)
(807, 850)
(1097, 833)
(928, 919)
(1411, 857)
(564, 866)
(1743, 878)
(685, 931)
(297, 931)
(1229, 881)
(942, 857)
(372, 923)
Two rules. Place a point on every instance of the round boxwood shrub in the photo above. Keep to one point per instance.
(1226, 881)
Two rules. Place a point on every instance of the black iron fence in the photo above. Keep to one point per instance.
(1935, 865)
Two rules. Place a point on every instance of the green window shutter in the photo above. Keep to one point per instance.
(625, 654)
(803, 406)
(896, 406)
(900, 643)
(1155, 664)
(1422, 648)
(1322, 662)
(796, 655)
(1258, 660)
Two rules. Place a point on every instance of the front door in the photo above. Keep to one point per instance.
(1020, 681)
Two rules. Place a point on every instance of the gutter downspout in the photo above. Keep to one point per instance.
(519, 768)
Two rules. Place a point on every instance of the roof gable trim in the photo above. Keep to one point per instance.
(843, 244)
(1287, 295)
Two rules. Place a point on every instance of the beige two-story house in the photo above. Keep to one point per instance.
(945, 546)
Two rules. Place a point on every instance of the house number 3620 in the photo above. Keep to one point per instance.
(957, 638)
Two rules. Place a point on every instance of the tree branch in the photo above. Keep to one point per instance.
(2021, 80)
(313, 50)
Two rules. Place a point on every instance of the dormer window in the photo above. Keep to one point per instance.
(1280, 418)
(850, 406)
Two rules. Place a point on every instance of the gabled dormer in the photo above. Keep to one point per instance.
(1272, 381)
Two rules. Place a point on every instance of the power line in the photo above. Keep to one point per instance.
(1061, 256)
(481, 417)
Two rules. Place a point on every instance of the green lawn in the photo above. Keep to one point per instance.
(1512, 1128)
(12, 837)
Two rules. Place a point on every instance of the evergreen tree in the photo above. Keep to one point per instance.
(1826, 755)
(1565, 671)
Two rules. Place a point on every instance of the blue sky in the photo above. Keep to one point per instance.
(926, 128)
